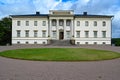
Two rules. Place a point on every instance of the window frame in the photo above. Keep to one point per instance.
(78, 23)
(18, 33)
(35, 23)
(27, 23)
(44, 33)
(18, 23)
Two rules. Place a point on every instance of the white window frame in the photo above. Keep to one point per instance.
(18, 23)
(18, 33)
(78, 34)
(27, 23)
(44, 33)
(35, 23)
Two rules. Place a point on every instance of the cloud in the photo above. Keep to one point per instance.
(105, 7)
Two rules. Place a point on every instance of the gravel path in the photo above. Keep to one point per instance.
(12, 69)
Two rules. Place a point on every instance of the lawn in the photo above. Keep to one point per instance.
(60, 54)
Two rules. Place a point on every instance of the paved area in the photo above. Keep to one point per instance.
(12, 69)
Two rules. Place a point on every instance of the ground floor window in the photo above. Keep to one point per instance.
(68, 34)
(54, 34)
(43, 34)
(78, 34)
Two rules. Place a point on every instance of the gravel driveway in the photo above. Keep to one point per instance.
(12, 69)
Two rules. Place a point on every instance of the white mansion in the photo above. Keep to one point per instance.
(61, 25)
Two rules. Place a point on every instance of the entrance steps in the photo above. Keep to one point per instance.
(60, 43)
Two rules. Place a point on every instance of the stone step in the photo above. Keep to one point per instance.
(60, 43)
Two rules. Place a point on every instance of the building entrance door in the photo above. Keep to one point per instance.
(61, 35)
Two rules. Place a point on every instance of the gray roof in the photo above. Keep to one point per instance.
(74, 15)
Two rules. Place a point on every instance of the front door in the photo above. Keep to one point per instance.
(61, 35)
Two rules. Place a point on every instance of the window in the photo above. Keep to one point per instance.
(35, 23)
(35, 42)
(27, 23)
(44, 23)
(95, 43)
(78, 34)
(18, 33)
(78, 23)
(104, 23)
(18, 23)
(35, 33)
(27, 33)
(86, 34)
(95, 34)
(53, 22)
(86, 42)
(68, 34)
(18, 42)
(104, 34)
(54, 34)
(27, 42)
(43, 34)
(95, 23)
(86, 23)
(68, 23)
(60, 22)
(103, 43)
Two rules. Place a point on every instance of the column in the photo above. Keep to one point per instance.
(50, 35)
(72, 28)
(64, 29)
(57, 29)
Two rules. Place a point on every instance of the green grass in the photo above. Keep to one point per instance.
(60, 54)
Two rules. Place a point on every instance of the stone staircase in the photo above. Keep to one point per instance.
(60, 43)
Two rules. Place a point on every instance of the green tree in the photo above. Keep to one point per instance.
(5, 30)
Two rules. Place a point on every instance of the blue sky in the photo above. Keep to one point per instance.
(105, 7)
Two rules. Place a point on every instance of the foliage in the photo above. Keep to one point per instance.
(5, 31)
(116, 41)
(60, 54)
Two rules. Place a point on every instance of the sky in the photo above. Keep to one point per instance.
(102, 7)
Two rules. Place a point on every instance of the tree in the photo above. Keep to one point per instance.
(5, 30)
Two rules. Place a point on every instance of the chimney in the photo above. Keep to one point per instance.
(85, 13)
(37, 13)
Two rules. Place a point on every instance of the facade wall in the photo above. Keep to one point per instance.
(71, 30)
(31, 39)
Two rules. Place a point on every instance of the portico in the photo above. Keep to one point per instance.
(61, 29)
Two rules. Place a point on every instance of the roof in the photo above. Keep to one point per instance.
(75, 15)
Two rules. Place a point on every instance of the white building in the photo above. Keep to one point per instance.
(61, 25)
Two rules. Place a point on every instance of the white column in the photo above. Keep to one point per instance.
(64, 29)
(50, 26)
(72, 29)
(57, 29)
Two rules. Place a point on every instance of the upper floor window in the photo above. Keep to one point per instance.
(86, 34)
(95, 34)
(104, 23)
(86, 23)
(27, 33)
(104, 34)
(78, 23)
(35, 33)
(35, 23)
(95, 23)
(53, 22)
(68, 22)
(78, 34)
(18, 33)
(18, 23)
(61, 22)
(27, 23)
(44, 23)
